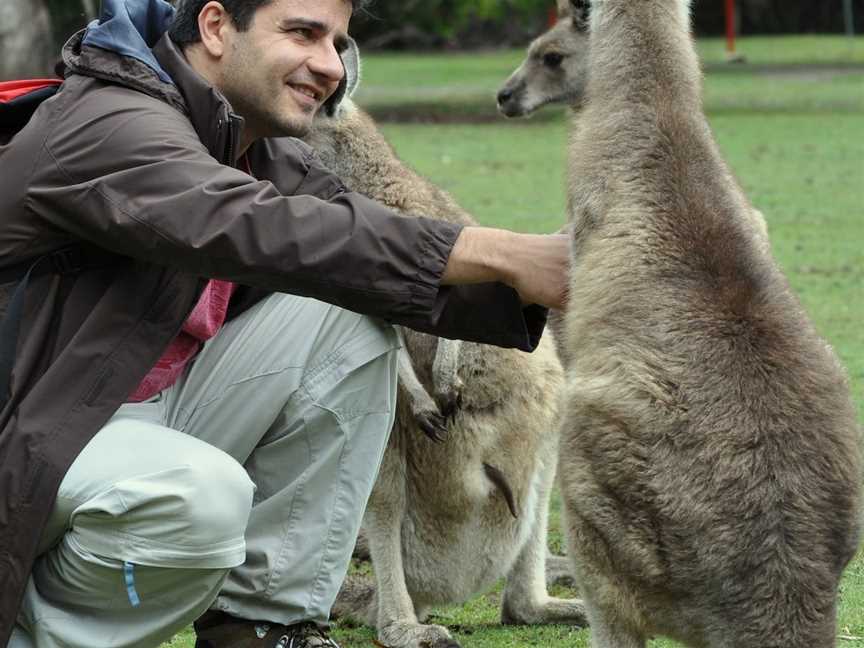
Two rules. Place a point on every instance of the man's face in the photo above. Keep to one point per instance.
(279, 72)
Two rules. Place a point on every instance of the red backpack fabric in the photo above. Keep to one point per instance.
(10, 90)
(18, 101)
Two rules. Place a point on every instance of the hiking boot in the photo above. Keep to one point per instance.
(220, 630)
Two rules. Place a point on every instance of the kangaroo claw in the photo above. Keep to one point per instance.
(433, 425)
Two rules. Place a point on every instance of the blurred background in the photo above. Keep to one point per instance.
(31, 31)
(784, 97)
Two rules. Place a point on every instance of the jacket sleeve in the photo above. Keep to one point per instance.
(128, 173)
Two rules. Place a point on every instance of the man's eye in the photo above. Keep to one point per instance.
(552, 59)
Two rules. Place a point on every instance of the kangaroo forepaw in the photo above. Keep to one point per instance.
(449, 398)
(433, 424)
(409, 635)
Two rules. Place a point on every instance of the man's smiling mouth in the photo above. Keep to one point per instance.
(307, 91)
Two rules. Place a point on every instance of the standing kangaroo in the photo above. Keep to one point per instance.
(710, 459)
(446, 521)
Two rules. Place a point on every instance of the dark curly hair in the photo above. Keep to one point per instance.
(184, 28)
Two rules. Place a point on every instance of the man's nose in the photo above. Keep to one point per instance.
(327, 63)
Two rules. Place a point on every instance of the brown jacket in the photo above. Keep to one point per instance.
(144, 168)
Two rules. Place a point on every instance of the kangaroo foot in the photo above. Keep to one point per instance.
(410, 635)
(550, 610)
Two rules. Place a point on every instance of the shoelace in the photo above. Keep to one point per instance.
(302, 633)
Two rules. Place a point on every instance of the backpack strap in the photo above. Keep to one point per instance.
(65, 261)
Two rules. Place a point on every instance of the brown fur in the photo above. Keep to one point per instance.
(710, 462)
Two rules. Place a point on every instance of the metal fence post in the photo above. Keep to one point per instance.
(848, 17)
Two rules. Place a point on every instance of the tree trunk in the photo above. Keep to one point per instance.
(25, 40)
(89, 9)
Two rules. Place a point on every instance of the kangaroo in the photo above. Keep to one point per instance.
(446, 521)
(710, 460)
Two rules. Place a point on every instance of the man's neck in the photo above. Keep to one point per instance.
(198, 61)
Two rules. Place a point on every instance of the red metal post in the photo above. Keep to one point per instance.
(730, 27)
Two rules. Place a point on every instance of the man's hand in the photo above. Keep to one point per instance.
(536, 265)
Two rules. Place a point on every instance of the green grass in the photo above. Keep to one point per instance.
(459, 86)
(795, 140)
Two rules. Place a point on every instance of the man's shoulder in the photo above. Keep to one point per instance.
(98, 98)
(91, 110)
(282, 148)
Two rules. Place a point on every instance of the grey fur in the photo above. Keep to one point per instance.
(423, 408)
(710, 460)
(438, 528)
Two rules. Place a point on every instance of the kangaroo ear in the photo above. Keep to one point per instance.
(580, 10)
(351, 61)
(565, 8)
(349, 83)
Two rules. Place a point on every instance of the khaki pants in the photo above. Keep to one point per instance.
(241, 487)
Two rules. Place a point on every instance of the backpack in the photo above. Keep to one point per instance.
(18, 102)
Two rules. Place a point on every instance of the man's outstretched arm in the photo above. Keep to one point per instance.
(535, 265)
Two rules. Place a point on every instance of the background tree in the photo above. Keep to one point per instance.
(422, 24)
(32, 32)
(25, 39)
(68, 16)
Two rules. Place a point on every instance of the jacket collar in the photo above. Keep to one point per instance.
(217, 126)
(131, 28)
(107, 65)
(208, 110)
(129, 45)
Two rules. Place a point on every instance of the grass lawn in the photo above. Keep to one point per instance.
(794, 137)
(781, 76)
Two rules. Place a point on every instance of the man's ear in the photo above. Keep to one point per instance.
(213, 21)
(349, 83)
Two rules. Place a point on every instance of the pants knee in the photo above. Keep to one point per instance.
(217, 498)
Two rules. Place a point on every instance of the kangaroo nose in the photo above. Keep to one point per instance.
(504, 96)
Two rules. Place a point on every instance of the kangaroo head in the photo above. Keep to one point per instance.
(555, 69)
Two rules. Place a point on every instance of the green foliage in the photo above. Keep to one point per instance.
(471, 23)
(67, 17)
(438, 22)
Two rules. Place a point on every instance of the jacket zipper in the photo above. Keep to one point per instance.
(230, 160)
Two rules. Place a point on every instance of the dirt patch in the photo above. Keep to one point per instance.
(443, 113)
(796, 71)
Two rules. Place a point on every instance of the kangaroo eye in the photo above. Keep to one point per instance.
(552, 59)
